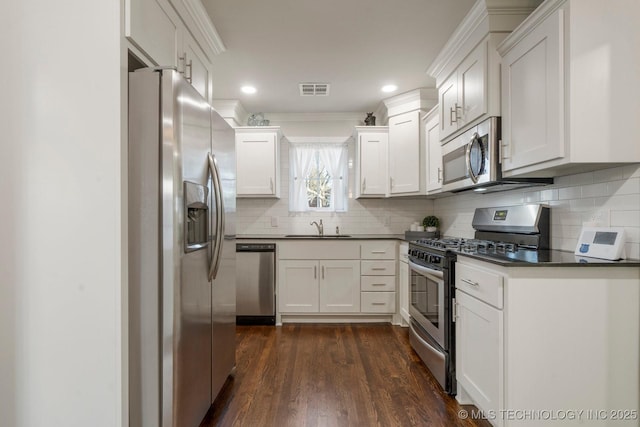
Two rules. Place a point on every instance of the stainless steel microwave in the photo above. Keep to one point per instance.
(471, 161)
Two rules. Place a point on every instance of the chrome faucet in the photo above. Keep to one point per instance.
(320, 227)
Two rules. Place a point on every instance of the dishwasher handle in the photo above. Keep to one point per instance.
(255, 247)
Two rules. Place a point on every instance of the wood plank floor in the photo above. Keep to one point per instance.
(330, 375)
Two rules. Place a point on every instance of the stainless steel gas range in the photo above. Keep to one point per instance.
(510, 234)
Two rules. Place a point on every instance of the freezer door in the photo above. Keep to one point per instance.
(186, 290)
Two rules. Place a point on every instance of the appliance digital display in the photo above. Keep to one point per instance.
(500, 215)
(605, 238)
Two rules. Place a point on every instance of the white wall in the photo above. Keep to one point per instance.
(573, 200)
(60, 219)
(364, 216)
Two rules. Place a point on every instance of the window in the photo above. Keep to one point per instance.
(318, 177)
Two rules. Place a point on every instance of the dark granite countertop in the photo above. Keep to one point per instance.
(549, 258)
(330, 237)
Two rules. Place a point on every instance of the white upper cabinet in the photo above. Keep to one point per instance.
(467, 70)
(165, 33)
(431, 125)
(405, 154)
(152, 26)
(463, 96)
(258, 161)
(197, 66)
(570, 100)
(372, 145)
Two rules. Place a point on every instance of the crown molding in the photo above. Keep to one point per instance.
(529, 24)
(486, 16)
(231, 110)
(315, 117)
(417, 99)
(199, 15)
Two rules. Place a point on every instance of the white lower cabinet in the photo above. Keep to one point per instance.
(479, 351)
(336, 280)
(299, 288)
(329, 286)
(378, 281)
(541, 341)
(339, 286)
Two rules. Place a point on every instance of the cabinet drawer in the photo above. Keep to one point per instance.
(378, 283)
(378, 249)
(378, 302)
(482, 284)
(378, 268)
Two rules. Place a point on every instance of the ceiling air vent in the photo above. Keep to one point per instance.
(314, 89)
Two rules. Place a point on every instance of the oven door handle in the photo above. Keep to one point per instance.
(425, 270)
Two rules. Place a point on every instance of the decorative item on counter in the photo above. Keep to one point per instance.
(431, 223)
(370, 120)
(257, 119)
(414, 226)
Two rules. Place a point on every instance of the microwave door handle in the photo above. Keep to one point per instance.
(219, 218)
(425, 270)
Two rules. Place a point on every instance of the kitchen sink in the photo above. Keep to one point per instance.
(315, 236)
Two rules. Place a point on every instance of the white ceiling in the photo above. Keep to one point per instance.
(355, 45)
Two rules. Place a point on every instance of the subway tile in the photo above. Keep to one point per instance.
(625, 202)
(631, 171)
(594, 190)
(625, 218)
(606, 175)
(579, 205)
(531, 197)
(549, 194)
(568, 193)
(627, 186)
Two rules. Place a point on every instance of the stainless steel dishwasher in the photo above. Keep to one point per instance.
(255, 284)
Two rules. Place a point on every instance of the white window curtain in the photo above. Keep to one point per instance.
(334, 157)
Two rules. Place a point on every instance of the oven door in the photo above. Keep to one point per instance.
(427, 300)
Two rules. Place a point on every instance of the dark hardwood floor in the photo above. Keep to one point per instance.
(331, 375)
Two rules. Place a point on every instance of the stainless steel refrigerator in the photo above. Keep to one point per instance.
(182, 202)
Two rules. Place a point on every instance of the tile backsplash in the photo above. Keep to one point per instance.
(612, 195)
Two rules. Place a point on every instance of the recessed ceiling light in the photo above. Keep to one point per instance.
(248, 89)
(389, 88)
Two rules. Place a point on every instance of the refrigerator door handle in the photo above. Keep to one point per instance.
(219, 208)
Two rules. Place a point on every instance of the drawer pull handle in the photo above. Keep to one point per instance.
(378, 284)
(470, 282)
(378, 303)
(378, 268)
(378, 252)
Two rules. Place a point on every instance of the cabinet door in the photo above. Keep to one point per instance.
(298, 286)
(196, 65)
(340, 286)
(373, 164)
(404, 153)
(479, 351)
(472, 85)
(256, 160)
(434, 154)
(153, 27)
(449, 107)
(532, 97)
